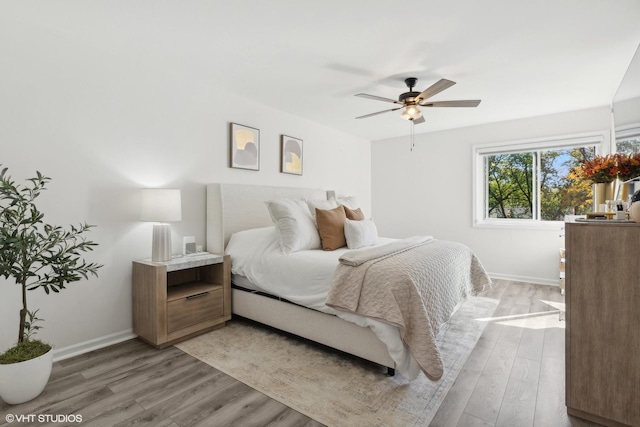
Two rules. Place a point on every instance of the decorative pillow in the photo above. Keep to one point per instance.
(331, 228)
(294, 224)
(354, 214)
(359, 234)
(320, 204)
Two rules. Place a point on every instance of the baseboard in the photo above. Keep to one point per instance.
(535, 280)
(94, 344)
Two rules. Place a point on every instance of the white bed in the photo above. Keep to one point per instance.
(304, 279)
(236, 207)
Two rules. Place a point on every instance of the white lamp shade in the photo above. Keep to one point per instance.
(161, 205)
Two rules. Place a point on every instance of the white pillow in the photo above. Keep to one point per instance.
(244, 246)
(325, 205)
(294, 224)
(360, 233)
(351, 202)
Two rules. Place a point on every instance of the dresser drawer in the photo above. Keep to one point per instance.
(194, 309)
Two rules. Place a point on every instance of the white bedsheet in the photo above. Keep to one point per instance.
(305, 278)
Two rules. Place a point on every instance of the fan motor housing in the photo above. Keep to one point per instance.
(407, 95)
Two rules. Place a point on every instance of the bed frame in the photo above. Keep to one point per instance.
(236, 207)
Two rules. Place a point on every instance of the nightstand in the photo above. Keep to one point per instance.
(181, 298)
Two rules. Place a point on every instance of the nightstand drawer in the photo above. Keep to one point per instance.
(194, 309)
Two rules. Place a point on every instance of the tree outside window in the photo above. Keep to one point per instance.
(537, 184)
(628, 141)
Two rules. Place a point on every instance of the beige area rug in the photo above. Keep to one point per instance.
(334, 388)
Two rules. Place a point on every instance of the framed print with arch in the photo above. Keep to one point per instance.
(290, 155)
(244, 149)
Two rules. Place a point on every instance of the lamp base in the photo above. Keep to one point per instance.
(161, 246)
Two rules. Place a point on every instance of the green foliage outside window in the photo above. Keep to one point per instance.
(510, 185)
(520, 182)
(628, 146)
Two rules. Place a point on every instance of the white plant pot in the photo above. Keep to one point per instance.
(23, 381)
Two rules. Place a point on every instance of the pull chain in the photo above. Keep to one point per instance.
(412, 142)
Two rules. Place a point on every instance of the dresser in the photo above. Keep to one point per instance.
(603, 322)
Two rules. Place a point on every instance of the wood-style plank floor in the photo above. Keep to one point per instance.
(514, 377)
(515, 374)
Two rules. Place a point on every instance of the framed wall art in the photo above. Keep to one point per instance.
(244, 148)
(290, 155)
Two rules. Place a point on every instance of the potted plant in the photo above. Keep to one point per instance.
(627, 168)
(601, 172)
(34, 255)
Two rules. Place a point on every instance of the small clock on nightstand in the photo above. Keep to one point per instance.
(181, 298)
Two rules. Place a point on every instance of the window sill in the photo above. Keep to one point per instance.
(515, 224)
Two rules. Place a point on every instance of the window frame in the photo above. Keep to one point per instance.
(625, 132)
(600, 140)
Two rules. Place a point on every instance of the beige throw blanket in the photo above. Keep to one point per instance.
(415, 288)
(360, 256)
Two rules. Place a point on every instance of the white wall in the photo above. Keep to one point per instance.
(102, 125)
(428, 191)
(627, 112)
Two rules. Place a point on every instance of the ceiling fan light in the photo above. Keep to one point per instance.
(411, 112)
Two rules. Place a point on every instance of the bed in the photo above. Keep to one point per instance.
(240, 209)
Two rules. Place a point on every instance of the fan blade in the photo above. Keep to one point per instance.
(467, 103)
(434, 89)
(418, 120)
(379, 112)
(377, 98)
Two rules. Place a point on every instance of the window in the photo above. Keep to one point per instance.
(532, 182)
(628, 140)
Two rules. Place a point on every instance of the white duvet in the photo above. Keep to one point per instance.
(304, 278)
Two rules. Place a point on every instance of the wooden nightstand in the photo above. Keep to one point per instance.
(181, 298)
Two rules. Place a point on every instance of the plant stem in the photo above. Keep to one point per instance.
(23, 311)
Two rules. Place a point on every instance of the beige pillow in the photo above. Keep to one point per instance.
(320, 204)
(331, 227)
(354, 214)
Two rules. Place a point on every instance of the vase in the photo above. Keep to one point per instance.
(623, 191)
(23, 381)
(601, 193)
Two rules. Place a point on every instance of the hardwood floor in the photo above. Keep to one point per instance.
(134, 384)
(515, 374)
(513, 377)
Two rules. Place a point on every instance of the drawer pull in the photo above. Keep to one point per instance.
(202, 294)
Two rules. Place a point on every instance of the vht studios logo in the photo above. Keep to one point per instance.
(43, 418)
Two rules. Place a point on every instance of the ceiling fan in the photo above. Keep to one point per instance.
(411, 100)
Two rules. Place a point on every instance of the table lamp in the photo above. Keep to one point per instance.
(161, 205)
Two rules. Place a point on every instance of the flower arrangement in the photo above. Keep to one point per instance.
(608, 168)
(599, 169)
(627, 166)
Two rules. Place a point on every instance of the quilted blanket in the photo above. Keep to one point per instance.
(415, 288)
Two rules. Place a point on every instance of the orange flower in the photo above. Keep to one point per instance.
(627, 166)
(599, 169)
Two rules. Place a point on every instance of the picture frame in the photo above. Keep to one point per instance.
(291, 155)
(189, 245)
(244, 147)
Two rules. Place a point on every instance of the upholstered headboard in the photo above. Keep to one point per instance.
(237, 207)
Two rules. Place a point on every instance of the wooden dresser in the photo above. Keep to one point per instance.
(603, 322)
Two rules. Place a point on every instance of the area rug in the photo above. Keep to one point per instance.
(331, 387)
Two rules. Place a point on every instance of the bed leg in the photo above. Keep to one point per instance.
(391, 372)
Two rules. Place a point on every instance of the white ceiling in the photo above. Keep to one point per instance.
(522, 58)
